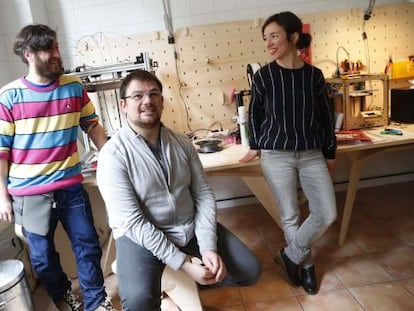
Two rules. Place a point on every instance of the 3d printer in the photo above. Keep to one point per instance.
(361, 100)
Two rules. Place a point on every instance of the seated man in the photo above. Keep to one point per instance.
(160, 206)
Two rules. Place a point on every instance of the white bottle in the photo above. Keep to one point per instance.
(243, 126)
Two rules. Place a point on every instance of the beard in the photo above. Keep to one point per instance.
(49, 70)
(144, 124)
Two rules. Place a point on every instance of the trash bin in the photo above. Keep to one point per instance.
(14, 290)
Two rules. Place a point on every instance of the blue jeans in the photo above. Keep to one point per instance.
(139, 272)
(284, 172)
(73, 210)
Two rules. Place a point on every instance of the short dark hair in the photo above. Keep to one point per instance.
(291, 24)
(139, 75)
(32, 38)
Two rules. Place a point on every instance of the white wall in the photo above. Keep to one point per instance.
(13, 15)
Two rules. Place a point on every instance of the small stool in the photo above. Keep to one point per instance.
(179, 287)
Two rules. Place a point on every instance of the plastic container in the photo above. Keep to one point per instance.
(14, 290)
(402, 69)
(244, 136)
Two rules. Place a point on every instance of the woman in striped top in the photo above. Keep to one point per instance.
(291, 128)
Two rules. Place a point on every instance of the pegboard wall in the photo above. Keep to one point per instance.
(203, 66)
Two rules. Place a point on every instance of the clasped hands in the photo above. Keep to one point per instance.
(209, 271)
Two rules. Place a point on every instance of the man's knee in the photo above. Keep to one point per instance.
(253, 274)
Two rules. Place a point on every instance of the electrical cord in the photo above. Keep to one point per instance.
(180, 91)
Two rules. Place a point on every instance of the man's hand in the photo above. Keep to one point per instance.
(209, 271)
(250, 155)
(6, 210)
(198, 272)
(215, 265)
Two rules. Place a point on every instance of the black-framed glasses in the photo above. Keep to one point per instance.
(139, 96)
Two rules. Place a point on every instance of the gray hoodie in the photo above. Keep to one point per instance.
(157, 212)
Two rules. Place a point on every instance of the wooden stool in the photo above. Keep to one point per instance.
(179, 287)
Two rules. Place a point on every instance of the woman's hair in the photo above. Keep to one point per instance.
(139, 75)
(291, 24)
(32, 38)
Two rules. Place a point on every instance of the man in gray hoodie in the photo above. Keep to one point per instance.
(161, 208)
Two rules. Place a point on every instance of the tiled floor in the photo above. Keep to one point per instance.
(373, 270)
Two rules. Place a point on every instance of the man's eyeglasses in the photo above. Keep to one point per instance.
(152, 95)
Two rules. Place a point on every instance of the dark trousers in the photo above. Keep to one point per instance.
(139, 272)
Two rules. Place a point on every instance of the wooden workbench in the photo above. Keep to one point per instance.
(226, 163)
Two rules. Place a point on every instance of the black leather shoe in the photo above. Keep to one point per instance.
(291, 269)
(309, 280)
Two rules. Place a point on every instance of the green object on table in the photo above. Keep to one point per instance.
(389, 131)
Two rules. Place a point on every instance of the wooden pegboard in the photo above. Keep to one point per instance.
(206, 62)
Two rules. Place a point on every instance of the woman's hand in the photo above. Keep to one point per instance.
(330, 163)
(250, 155)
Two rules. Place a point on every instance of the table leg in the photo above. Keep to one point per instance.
(108, 255)
(350, 196)
(262, 192)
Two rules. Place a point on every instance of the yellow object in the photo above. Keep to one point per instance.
(402, 69)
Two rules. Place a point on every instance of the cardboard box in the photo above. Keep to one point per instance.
(10, 244)
(31, 276)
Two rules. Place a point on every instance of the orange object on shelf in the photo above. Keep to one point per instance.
(402, 69)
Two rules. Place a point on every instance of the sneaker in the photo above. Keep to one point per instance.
(70, 302)
(106, 305)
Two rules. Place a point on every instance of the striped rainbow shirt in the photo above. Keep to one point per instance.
(38, 133)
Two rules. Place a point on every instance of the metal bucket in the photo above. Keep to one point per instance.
(14, 290)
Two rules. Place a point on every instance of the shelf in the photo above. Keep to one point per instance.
(402, 79)
(361, 93)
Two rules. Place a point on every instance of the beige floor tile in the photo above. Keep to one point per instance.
(403, 231)
(384, 297)
(219, 297)
(285, 304)
(338, 300)
(327, 247)
(359, 270)
(266, 290)
(399, 263)
(270, 270)
(408, 284)
(373, 238)
(239, 307)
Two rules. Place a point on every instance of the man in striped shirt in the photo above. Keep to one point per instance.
(40, 183)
